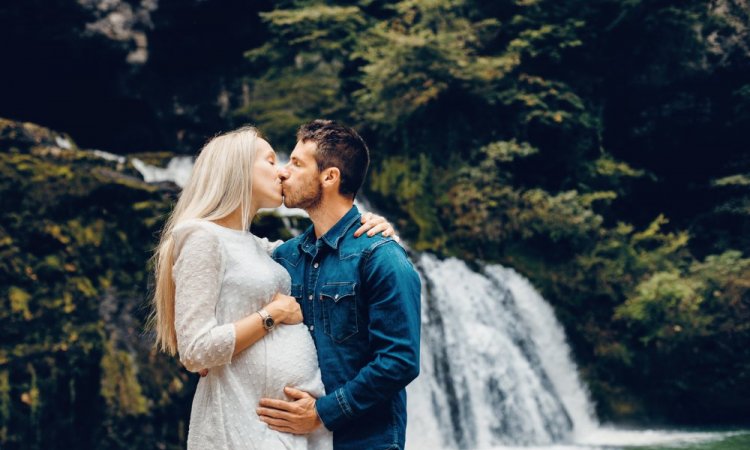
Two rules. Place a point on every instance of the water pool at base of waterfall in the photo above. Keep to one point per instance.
(623, 439)
(724, 441)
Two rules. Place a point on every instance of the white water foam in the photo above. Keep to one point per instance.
(554, 353)
(177, 171)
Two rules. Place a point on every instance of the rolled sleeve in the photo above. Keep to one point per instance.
(334, 409)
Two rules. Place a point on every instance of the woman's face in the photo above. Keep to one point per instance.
(266, 182)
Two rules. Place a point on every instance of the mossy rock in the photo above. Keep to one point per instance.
(77, 231)
(25, 135)
(158, 159)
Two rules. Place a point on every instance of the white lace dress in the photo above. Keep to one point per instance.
(222, 275)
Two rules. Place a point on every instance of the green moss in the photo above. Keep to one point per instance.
(146, 205)
(19, 301)
(91, 233)
(5, 405)
(68, 305)
(158, 159)
(119, 385)
(53, 262)
(56, 231)
(32, 397)
(83, 285)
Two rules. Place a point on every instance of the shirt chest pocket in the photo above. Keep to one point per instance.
(339, 310)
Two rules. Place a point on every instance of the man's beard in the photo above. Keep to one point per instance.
(308, 197)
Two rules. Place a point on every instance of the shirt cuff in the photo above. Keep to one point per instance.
(334, 409)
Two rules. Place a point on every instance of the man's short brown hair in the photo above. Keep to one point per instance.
(341, 147)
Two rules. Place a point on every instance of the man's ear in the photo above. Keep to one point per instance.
(331, 177)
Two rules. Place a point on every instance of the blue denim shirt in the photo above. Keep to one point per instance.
(360, 300)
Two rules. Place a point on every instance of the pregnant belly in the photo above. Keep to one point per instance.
(285, 357)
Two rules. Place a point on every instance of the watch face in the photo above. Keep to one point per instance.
(268, 322)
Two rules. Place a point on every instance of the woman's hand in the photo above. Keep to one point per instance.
(375, 224)
(249, 330)
(284, 309)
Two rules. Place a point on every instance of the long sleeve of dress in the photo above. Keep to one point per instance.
(198, 271)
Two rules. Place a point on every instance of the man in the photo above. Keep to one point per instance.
(360, 300)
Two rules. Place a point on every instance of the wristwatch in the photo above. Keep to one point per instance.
(267, 320)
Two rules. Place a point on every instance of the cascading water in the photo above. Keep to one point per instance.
(496, 370)
(549, 340)
(177, 171)
(492, 353)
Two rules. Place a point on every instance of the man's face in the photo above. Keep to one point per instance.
(300, 178)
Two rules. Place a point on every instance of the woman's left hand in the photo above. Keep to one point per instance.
(374, 224)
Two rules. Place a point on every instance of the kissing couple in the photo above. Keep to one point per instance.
(309, 343)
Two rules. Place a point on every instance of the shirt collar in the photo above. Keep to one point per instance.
(334, 235)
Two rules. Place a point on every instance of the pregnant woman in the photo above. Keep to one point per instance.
(223, 304)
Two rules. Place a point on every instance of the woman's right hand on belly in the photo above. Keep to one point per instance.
(285, 309)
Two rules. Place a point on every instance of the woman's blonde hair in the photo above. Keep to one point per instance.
(221, 182)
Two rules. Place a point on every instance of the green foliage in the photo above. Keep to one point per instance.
(700, 313)
(498, 152)
(286, 97)
(413, 194)
(484, 206)
(120, 388)
(423, 51)
(325, 28)
(19, 302)
(674, 306)
(297, 71)
(665, 304)
(72, 244)
(4, 404)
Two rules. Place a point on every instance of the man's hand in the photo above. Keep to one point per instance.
(296, 417)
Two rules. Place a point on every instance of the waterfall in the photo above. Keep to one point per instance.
(496, 370)
(554, 354)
